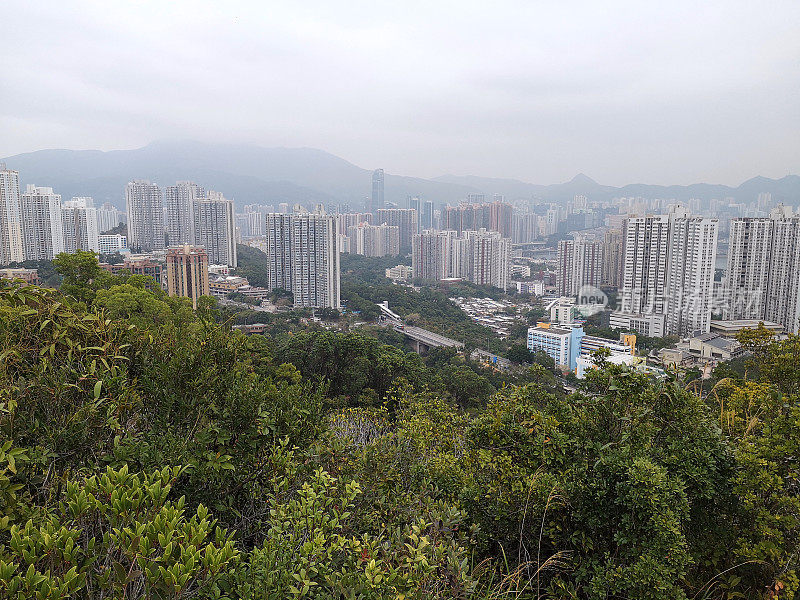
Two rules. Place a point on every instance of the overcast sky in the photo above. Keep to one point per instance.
(656, 92)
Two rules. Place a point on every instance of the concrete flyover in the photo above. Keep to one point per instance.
(421, 339)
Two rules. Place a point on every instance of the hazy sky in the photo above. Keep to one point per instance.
(657, 92)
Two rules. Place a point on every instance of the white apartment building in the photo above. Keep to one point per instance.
(179, 202)
(487, 258)
(763, 270)
(303, 258)
(108, 217)
(644, 278)
(482, 257)
(400, 273)
(374, 240)
(255, 224)
(346, 220)
(406, 219)
(580, 263)
(111, 243)
(668, 273)
(214, 228)
(432, 254)
(690, 274)
(80, 225)
(145, 209)
(42, 230)
(12, 245)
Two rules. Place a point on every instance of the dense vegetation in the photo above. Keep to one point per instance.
(149, 451)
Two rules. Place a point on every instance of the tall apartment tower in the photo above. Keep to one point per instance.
(486, 258)
(145, 216)
(644, 280)
(763, 271)
(303, 258)
(187, 272)
(690, 274)
(80, 225)
(483, 257)
(406, 219)
(374, 240)
(377, 200)
(500, 218)
(215, 228)
(12, 245)
(668, 273)
(580, 263)
(42, 229)
(426, 215)
(431, 254)
(108, 217)
(612, 258)
(179, 202)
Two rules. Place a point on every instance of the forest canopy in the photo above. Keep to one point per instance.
(152, 451)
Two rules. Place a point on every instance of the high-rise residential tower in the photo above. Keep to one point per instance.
(763, 271)
(303, 258)
(483, 257)
(690, 274)
(431, 254)
(145, 216)
(179, 202)
(668, 273)
(580, 263)
(406, 219)
(187, 272)
(214, 228)
(612, 258)
(80, 225)
(377, 200)
(374, 240)
(42, 228)
(487, 258)
(109, 217)
(12, 245)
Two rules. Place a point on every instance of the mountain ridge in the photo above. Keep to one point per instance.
(254, 174)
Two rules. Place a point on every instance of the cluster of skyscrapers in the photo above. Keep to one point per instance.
(193, 216)
(663, 267)
(763, 269)
(482, 257)
(36, 224)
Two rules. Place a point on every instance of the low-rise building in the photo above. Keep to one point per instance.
(222, 286)
(111, 243)
(400, 273)
(536, 288)
(713, 347)
(672, 358)
(561, 343)
(137, 265)
(28, 276)
(730, 328)
(651, 325)
(562, 310)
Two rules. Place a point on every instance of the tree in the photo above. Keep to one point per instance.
(519, 353)
(465, 385)
(82, 275)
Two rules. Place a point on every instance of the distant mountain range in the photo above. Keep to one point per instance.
(255, 175)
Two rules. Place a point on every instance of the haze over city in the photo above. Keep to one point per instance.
(625, 92)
